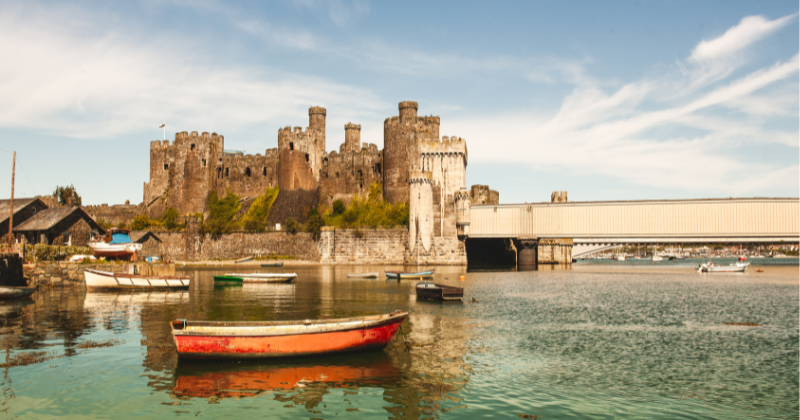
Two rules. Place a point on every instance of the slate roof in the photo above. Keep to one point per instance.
(47, 218)
(141, 236)
(19, 204)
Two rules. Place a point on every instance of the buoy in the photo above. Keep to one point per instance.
(461, 278)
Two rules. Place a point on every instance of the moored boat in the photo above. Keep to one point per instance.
(363, 275)
(256, 277)
(433, 291)
(656, 258)
(269, 339)
(116, 243)
(245, 259)
(15, 292)
(710, 267)
(104, 280)
(272, 264)
(399, 275)
(619, 258)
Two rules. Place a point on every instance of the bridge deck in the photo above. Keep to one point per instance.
(766, 220)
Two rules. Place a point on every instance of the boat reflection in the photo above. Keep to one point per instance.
(227, 380)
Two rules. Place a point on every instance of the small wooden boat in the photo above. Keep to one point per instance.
(116, 243)
(399, 275)
(256, 277)
(96, 279)
(433, 291)
(272, 264)
(363, 275)
(733, 268)
(245, 259)
(237, 340)
(15, 292)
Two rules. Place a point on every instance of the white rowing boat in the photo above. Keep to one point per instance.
(104, 280)
(363, 275)
(739, 267)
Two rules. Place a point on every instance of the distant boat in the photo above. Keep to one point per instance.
(265, 339)
(105, 280)
(657, 258)
(272, 264)
(364, 275)
(620, 258)
(433, 291)
(15, 292)
(256, 277)
(710, 267)
(116, 243)
(399, 275)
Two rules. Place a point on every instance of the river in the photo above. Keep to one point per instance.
(597, 341)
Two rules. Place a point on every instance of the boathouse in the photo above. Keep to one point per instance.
(59, 226)
(24, 209)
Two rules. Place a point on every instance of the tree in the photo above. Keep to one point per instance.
(221, 214)
(140, 222)
(170, 218)
(291, 226)
(67, 196)
(314, 224)
(338, 208)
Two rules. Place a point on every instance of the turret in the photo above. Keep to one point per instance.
(463, 205)
(420, 206)
(352, 137)
(316, 121)
(408, 112)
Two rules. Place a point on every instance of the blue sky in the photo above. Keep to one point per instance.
(606, 100)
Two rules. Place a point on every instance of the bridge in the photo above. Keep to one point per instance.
(553, 228)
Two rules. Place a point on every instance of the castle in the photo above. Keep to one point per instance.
(415, 166)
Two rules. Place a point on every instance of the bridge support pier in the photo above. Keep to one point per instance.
(527, 254)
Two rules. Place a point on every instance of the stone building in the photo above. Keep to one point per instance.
(59, 226)
(185, 172)
(24, 209)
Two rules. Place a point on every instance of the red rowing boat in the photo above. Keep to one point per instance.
(236, 340)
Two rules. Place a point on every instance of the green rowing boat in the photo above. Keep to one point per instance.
(228, 279)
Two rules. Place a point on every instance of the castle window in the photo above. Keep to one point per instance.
(204, 163)
(378, 168)
(247, 172)
(219, 172)
(192, 146)
(227, 172)
(264, 171)
(325, 161)
(166, 166)
(306, 157)
(337, 174)
(291, 146)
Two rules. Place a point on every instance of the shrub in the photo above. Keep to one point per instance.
(370, 211)
(338, 208)
(221, 214)
(103, 224)
(171, 219)
(291, 226)
(56, 253)
(122, 225)
(140, 222)
(315, 224)
(255, 220)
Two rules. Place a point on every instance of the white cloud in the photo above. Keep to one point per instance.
(95, 83)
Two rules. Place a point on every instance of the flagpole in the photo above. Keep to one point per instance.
(165, 129)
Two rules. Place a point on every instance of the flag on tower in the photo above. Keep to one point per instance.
(162, 125)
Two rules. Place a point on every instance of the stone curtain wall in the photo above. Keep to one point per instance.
(182, 247)
(555, 251)
(351, 246)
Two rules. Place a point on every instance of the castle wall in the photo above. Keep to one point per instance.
(350, 246)
(247, 175)
(114, 214)
(347, 173)
(481, 194)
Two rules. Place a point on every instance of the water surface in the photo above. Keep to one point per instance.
(592, 342)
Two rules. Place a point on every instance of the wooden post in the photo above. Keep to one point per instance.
(11, 203)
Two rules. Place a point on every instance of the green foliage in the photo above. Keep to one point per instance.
(273, 256)
(103, 224)
(338, 208)
(55, 253)
(291, 226)
(122, 225)
(369, 212)
(140, 222)
(170, 219)
(221, 214)
(314, 224)
(67, 196)
(256, 218)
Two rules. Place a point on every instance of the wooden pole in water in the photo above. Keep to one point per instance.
(11, 203)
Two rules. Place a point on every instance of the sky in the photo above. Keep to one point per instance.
(606, 100)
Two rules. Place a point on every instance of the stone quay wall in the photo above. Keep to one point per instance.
(555, 251)
(182, 246)
(65, 274)
(360, 246)
(11, 269)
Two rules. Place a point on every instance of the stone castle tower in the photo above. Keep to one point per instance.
(416, 166)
